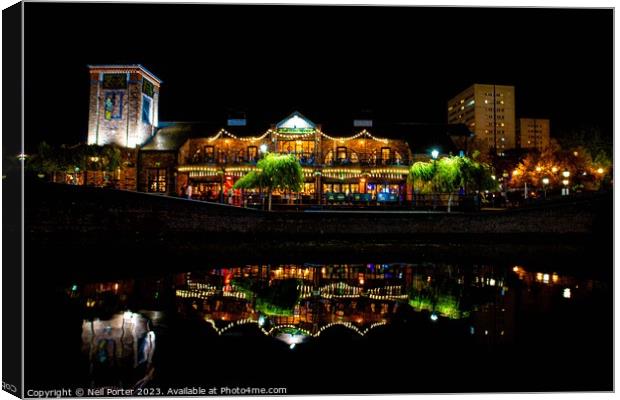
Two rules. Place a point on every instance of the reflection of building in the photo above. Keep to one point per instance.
(359, 297)
(366, 161)
(295, 302)
(533, 133)
(123, 342)
(489, 112)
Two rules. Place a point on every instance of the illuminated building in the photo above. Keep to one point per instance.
(489, 112)
(123, 107)
(533, 133)
(362, 162)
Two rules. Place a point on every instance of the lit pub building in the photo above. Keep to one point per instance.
(364, 162)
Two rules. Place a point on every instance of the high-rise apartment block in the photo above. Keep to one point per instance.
(534, 133)
(123, 105)
(489, 112)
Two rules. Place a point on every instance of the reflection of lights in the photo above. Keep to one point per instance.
(292, 346)
(545, 181)
(566, 174)
(566, 293)
(555, 277)
(538, 169)
(539, 276)
(516, 268)
(546, 278)
(492, 282)
(565, 182)
(261, 321)
(434, 317)
(554, 169)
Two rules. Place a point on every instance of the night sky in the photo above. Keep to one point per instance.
(327, 62)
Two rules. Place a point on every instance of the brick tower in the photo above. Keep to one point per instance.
(123, 105)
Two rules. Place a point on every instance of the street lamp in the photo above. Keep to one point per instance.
(263, 148)
(545, 182)
(434, 154)
(565, 181)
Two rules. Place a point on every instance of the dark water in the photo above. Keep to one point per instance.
(348, 328)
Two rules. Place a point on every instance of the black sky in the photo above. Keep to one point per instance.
(327, 62)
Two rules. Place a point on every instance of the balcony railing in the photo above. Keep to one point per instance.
(304, 161)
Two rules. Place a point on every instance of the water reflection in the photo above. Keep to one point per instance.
(297, 304)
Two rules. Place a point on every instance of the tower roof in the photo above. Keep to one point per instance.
(111, 68)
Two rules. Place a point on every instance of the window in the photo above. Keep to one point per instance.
(114, 81)
(156, 180)
(221, 156)
(329, 157)
(252, 153)
(341, 153)
(113, 105)
(147, 88)
(209, 153)
(147, 109)
(385, 154)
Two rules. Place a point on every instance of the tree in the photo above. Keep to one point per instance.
(274, 172)
(49, 160)
(421, 175)
(448, 174)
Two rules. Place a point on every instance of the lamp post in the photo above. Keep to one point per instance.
(545, 182)
(565, 182)
(434, 155)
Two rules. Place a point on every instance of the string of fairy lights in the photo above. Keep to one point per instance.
(249, 321)
(363, 133)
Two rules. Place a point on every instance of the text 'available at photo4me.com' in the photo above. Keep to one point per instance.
(155, 391)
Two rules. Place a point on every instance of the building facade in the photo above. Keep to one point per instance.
(169, 157)
(489, 112)
(123, 107)
(534, 133)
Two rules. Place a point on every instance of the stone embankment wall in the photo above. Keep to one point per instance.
(61, 208)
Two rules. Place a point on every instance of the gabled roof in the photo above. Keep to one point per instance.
(171, 135)
(296, 120)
